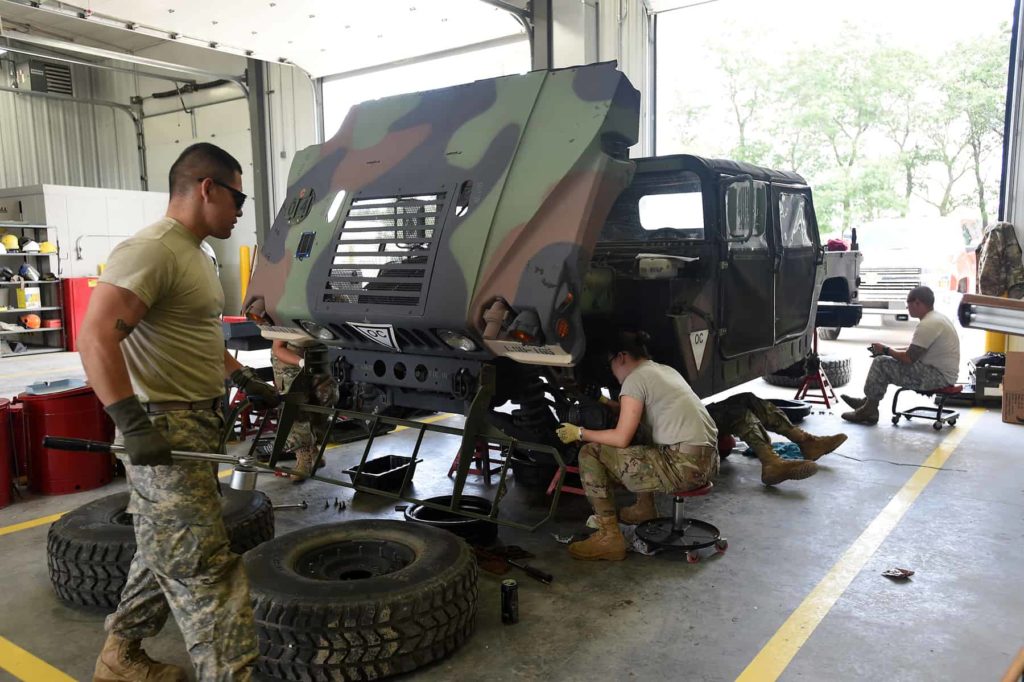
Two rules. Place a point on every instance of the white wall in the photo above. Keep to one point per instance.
(95, 218)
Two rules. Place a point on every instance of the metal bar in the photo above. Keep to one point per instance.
(511, 8)
(542, 55)
(193, 107)
(441, 54)
(256, 72)
(83, 62)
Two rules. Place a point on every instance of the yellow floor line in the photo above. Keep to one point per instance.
(425, 420)
(25, 525)
(776, 655)
(25, 666)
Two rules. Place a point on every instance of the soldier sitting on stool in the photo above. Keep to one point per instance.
(932, 360)
(683, 456)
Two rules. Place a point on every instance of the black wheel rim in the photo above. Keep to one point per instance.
(354, 560)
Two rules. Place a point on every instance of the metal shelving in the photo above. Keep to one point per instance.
(49, 339)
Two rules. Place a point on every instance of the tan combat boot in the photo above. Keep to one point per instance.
(866, 414)
(814, 447)
(642, 510)
(303, 464)
(853, 402)
(775, 470)
(606, 544)
(123, 660)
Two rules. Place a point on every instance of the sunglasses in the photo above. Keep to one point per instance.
(239, 197)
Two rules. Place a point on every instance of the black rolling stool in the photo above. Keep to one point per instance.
(939, 414)
(682, 533)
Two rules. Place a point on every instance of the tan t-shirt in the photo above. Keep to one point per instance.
(937, 335)
(176, 352)
(672, 411)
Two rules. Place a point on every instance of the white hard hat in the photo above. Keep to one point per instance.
(3, 249)
(30, 247)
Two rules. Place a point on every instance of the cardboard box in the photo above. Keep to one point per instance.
(1013, 389)
(28, 297)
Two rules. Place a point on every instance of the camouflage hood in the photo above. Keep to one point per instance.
(425, 211)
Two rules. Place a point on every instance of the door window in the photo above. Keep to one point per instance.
(793, 223)
(746, 201)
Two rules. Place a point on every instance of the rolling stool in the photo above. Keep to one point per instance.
(939, 414)
(679, 532)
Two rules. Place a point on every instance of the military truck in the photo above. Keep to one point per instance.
(472, 247)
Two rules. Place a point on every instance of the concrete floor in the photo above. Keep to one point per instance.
(659, 618)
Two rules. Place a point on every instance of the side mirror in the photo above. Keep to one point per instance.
(740, 208)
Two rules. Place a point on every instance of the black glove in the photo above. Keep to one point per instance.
(143, 443)
(260, 393)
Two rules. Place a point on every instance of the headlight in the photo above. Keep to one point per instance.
(316, 331)
(457, 341)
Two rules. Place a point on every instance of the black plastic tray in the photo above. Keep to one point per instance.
(383, 473)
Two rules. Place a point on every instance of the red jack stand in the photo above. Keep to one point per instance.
(482, 459)
(817, 381)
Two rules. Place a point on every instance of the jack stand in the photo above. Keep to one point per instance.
(818, 381)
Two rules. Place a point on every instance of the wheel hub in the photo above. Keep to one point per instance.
(354, 560)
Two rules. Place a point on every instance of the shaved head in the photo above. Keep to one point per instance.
(202, 160)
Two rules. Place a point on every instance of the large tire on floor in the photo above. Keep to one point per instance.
(360, 600)
(89, 550)
(837, 369)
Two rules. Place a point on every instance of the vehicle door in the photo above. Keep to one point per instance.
(747, 301)
(797, 260)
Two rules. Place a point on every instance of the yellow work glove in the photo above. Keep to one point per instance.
(605, 400)
(569, 433)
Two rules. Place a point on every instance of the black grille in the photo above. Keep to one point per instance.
(385, 251)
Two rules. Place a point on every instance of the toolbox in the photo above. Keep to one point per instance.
(988, 383)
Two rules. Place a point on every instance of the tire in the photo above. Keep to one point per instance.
(89, 550)
(837, 369)
(360, 600)
(829, 333)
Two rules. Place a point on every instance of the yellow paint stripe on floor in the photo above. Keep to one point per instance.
(425, 420)
(25, 525)
(777, 654)
(25, 666)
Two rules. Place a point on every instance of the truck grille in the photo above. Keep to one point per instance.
(888, 284)
(385, 251)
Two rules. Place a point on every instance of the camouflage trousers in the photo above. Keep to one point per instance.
(307, 429)
(916, 376)
(645, 468)
(750, 419)
(184, 565)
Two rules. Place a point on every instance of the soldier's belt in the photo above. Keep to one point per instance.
(177, 406)
(687, 449)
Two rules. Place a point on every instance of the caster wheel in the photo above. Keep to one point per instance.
(896, 420)
(692, 558)
(721, 545)
(937, 426)
(906, 417)
(952, 423)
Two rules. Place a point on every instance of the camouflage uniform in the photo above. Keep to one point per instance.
(1000, 263)
(184, 563)
(307, 428)
(916, 376)
(645, 468)
(750, 418)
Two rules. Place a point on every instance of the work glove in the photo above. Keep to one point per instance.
(569, 433)
(605, 400)
(143, 442)
(261, 394)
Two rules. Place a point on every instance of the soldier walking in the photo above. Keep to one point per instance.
(153, 350)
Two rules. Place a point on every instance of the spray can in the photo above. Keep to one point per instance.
(509, 602)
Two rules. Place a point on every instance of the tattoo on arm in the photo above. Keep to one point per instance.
(123, 327)
(915, 353)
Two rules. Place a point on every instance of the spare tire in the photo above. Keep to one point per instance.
(837, 369)
(360, 600)
(89, 550)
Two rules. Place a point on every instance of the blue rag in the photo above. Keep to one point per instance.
(783, 450)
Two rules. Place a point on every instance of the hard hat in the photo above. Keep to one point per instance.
(3, 249)
(47, 247)
(28, 272)
(30, 246)
(30, 321)
(10, 242)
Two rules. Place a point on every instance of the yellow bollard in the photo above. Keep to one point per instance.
(995, 342)
(244, 268)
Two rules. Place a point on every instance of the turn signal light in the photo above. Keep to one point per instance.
(562, 328)
(522, 337)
